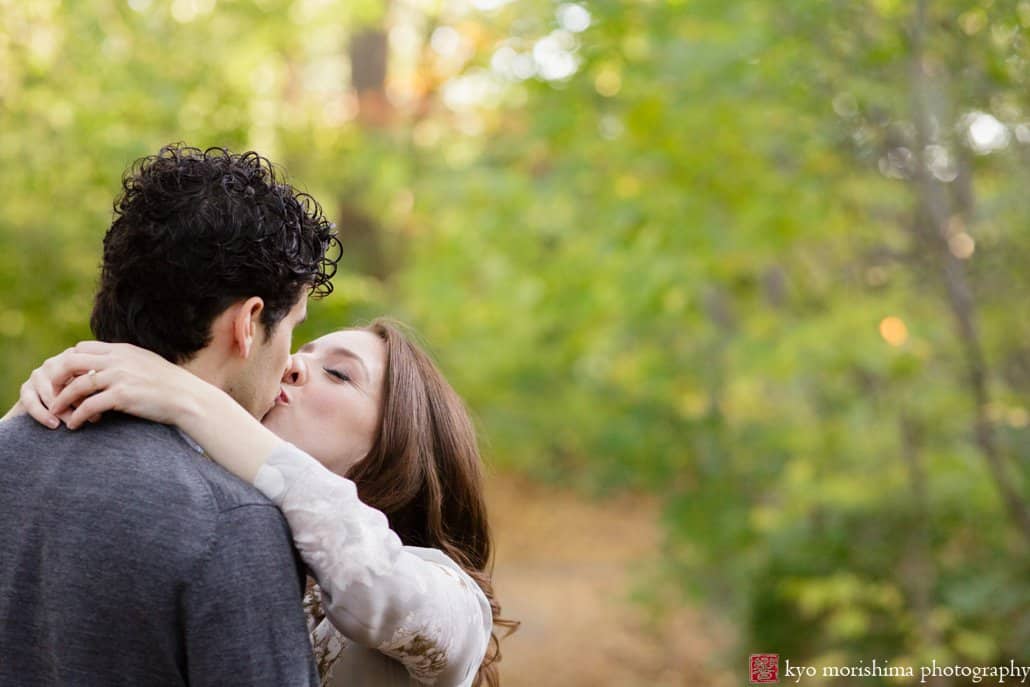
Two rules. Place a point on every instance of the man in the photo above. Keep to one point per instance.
(126, 556)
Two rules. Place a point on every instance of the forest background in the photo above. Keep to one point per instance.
(761, 263)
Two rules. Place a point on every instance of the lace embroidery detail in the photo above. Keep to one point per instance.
(419, 647)
(326, 641)
(366, 574)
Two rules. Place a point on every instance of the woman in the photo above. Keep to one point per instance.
(362, 413)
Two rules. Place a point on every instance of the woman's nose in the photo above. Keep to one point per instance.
(296, 372)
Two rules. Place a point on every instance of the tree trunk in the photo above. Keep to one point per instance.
(934, 210)
(368, 60)
(361, 231)
(919, 572)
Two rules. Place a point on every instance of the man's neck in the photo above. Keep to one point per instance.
(209, 367)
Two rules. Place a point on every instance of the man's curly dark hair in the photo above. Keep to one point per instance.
(195, 231)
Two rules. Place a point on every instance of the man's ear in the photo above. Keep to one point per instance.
(245, 325)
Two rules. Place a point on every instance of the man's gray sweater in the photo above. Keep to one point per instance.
(127, 558)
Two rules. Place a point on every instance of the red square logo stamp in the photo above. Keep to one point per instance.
(765, 668)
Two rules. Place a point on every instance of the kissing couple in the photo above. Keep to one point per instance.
(182, 502)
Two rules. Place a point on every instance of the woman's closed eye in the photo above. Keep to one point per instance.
(342, 376)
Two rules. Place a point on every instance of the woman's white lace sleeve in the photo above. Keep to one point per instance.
(415, 605)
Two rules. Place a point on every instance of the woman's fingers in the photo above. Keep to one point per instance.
(40, 384)
(93, 406)
(77, 390)
(60, 369)
(96, 347)
(83, 382)
(32, 404)
(63, 381)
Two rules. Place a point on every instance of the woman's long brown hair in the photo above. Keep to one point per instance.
(424, 472)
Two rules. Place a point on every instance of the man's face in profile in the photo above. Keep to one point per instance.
(260, 384)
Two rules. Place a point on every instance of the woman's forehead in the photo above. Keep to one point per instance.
(361, 342)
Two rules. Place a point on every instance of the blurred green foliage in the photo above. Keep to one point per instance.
(675, 246)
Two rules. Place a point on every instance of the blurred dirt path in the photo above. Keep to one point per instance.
(565, 564)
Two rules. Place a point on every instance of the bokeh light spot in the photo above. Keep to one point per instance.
(893, 331)
(962, 245)
(1017, 418)
(985, 133)
(608, 82)
(573, 17)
